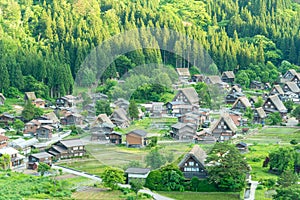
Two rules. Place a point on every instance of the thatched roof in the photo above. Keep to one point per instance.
(277, 103)
(261, 113)
(214, 79)
(52, 116)
(278, 89)
(244, 100)
(292, 86)
(190, 94)
(2, 96)
(229, 74)
(197, 153)
(30, 96)
(227, 119)
(183, 71)
(120, 114)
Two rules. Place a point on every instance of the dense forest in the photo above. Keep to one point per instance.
(43, 43)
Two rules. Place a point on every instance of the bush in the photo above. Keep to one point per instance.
(269, 183)
(293, 142)
(256, 159)
(260, 187)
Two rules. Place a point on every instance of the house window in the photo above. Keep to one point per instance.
(185, 164)
(219, 126)
(225, 127)
(196, 164)
(191, 163)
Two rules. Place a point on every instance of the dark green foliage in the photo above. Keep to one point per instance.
(154, 159)
(136, 185)
(229, 158)
(293, 142)
(153, 141)
(198, 185)
(168, 178)
(103, 107)
(204, 95)
(296, 112)
(282, 159)
(287, 178)
(269, 183)
(288, 193)
(133, 110)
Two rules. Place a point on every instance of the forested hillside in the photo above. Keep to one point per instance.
(44, 42)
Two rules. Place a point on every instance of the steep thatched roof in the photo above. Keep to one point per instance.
(30, 96)
(229, 74)
(190, 94)
(183, 72)
(227, 119)
(292, 86)
(277, 103)
(261, 113)
(197, 153)
(244, 100)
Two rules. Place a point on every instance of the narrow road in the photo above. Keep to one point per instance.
(96, 178)
(252, 190)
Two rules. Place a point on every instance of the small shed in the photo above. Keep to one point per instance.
(135, 172)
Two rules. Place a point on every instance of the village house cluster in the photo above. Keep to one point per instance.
(46, 133)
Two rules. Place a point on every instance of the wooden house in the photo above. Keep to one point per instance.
(191, 118)
(31, 127)
(44, 133)
(233, 94)
(242, 147)
(178, 108)
(136, 138)
(187, 96)
(16, 160)
(193, 164)
(256, 85)
(274, 104)
(29, 97)
(291, 87)
(3, 141)
(241, 104)
(253, 100)
(6, 119)
(183, 131)
(228, 77)
(67, 149)
(115, 137)
(277, 90)
(183, 73)
(66, 101)
(157, 109)
(2, 99)
(72, 119)
(224, 128)
(23, 146)
(40, 103)
(296, 79)
(122, 103)
(136, 173)
(213, 80)
(259, 116)
(42, 157)
(119, 118)
(198, 78)
(289, 74)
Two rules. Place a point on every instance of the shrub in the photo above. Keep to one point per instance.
(293, 142)
(260, 187)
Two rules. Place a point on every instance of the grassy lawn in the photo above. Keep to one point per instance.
(201, 195)
(92, 166)
(260, 195)
(104, 195)
(151, 125)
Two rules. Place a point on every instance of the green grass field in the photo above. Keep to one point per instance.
(201, 195)
(103, 195)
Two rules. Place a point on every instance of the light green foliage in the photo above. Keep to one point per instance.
(43, 167)
(287, 178)
(18, 125)
(274, 118)
(5, 161)
(296, 112)
(287, 193)
(30, 112)
(19, 186)
(112, 176)
(136, 184)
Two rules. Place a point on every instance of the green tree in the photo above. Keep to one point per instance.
(111, 177)
(259, 103)
(4, 78)
(289, 105)
(274, 118)
(287, 178)
(133, 110)
(43, 167)
(282, 159)
(287, 193)
(30, 112)
(154, 159)
(103, 107)
(227, 157)
(249, 114)
(5, 161)
(243, 79)
(296, 113)
(18, 125)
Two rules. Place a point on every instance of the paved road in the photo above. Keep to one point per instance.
(252, 190)
(96, 178)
